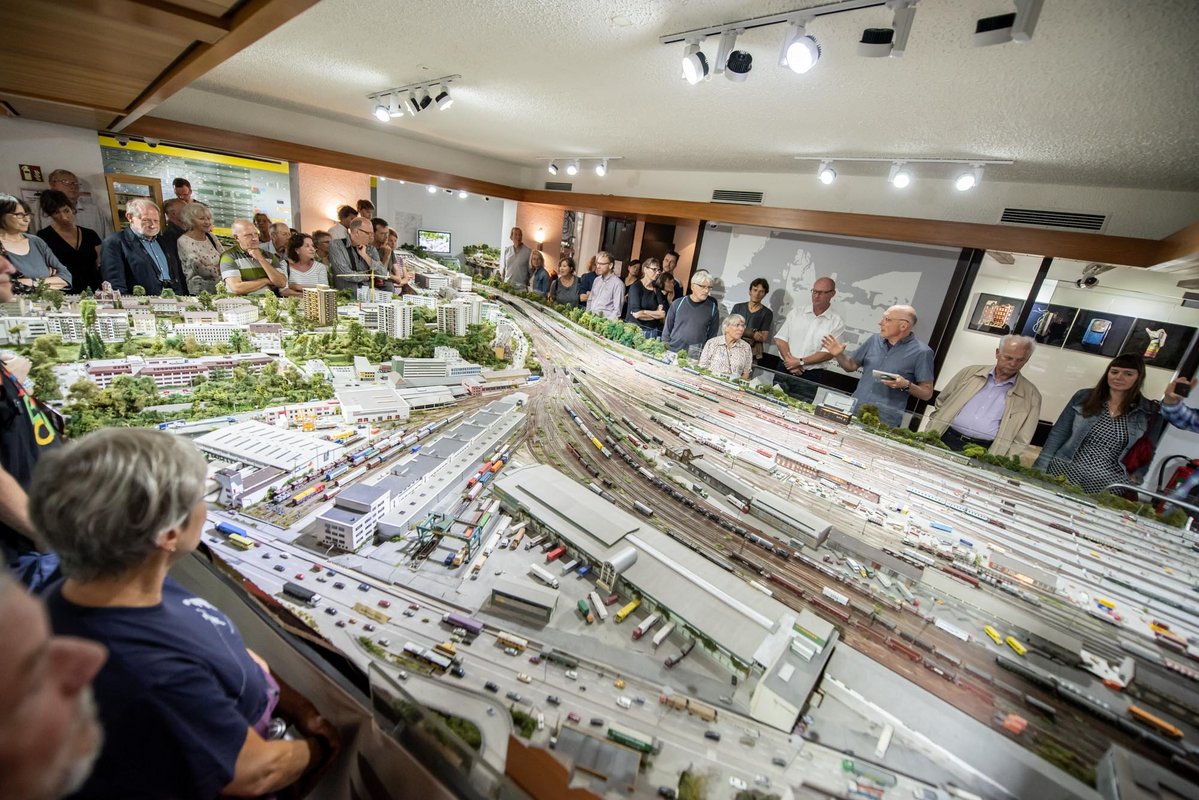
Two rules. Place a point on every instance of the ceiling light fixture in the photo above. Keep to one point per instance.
(423, 99)
(969, 179)
(432, 189)
(826, 174)
(553, 168)
(601, 168)
(900, 176)
(411, 104)
(463, 194)
(1012, 27)
(893, 41)
(443, 99)
(800, 50)
(738, 66)
(573, 168)
(381, 113)
(728, 43)
(695, 63)
(574, 163)
(412, 98)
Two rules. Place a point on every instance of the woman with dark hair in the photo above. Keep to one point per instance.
(758, 318)
(564, 290)
(305, 271)
(78, 248)
(646, 305)
(1098, 427)
(33, 258)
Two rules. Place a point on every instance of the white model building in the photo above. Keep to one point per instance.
(355, 515)
(372, 404)
(236, 309)
(266, 335)
(395, 319)
(209, 334)
(265, 445)
(452, 318)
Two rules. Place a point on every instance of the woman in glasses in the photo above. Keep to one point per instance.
(33, 258)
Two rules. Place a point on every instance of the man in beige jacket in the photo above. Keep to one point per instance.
(991, 406)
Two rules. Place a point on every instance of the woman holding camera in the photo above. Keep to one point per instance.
(33, 258)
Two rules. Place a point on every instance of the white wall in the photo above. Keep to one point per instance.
(52, 147)
(1058, 372)
(472, 220)
(1131, 212)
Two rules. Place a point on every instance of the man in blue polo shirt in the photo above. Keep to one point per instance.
(895, 350)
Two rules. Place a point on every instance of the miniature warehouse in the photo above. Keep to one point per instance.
(653, 574)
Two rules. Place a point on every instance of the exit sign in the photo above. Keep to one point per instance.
(31, 173)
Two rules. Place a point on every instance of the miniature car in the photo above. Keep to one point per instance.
(341, 623)
(331, 611)
(713, 735)
(408, 612)
(669, 792)
(283, 555)
(368, 627)
(618, 683)
(316, 567)
(279, 568)
(535, 659)
(513, 696)
(266, 555)
(624, 702)
(553, 700)
(779, 761)
(762, 780)
(321, 579)
(598, 722)
(414, 606)
(339, 585)
(512, 651)
(457, 671)
(299, 576)
(364, 587)
(491, 686)
(523, 677)
(572, 675)
(384, 604)
(573, 717)
(737, 783)
(384, 642)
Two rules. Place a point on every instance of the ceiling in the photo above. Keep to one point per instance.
(1104, 95)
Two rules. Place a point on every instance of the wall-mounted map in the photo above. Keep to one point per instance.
(234, 187)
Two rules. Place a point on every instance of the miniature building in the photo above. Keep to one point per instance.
(355, 515)
(364, 370)
(395, 319)
(266, 335)
(320, 305)
(452, 318)
(372, 404)
(111, 325)
(267, 446)
(208, 334)
(432, 281)
(236, 310)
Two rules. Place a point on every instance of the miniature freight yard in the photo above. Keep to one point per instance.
(650, 572)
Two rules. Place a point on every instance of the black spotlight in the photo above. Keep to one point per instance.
(738, 66)
(876, 42)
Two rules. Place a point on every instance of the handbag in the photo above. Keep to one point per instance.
(1141, 453)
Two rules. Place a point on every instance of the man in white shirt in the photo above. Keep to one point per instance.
(86, 213)
(514, 269)
(607, 292)
(798, 340)
(344, 215)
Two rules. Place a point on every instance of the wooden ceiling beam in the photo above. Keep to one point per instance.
(173, 20)
(249, 23)
(1121, 250)
(24, 95)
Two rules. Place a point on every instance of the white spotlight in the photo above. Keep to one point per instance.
(738, 65)
(411, 104)
(462, 194)
(900, 177)
(968, 180)
(443, 99)
(1015, 27)
(432, 189)
(573, 167)
(695, 64)
(827, 174)
(393, 107)
(800, 51)
(601, 168)
(381, 113)
(553, 168)
(893, 41)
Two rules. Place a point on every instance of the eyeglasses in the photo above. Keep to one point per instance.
(824, 291)
(701, 286)
(603, 263)
(896, 319)
(20, 215)
(69, 184)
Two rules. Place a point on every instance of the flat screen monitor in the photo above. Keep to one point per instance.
(434, 241)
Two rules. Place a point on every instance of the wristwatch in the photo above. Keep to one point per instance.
(801, 362)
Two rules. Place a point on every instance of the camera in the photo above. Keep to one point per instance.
(1086, 282)
(151, 142)
(123, 141)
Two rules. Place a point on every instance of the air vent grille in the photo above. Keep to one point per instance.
(1072, 220)
(559, 186)
(735, 196)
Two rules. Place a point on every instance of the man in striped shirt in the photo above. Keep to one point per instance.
(245, 269)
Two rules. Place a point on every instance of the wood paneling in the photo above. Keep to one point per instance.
(1122, 250)
(1181, 244)
(57, 112)
(188, 24)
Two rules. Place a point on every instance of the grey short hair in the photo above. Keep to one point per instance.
(1030, 344)
(139, 205)
(732, 319)
(104, 502)
(192, 213)
(700, 275)
(358, 222)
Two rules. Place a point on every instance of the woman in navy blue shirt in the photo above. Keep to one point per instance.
(184, 705)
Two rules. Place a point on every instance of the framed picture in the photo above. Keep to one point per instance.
(1161, 344)
(1099, 332)
(123, 188)
(1048, 324)
(995, 314)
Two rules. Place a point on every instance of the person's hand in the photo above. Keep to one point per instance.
(900, 383)
(832, 346)
(19, 366)
(792, 365)
(1171, 397)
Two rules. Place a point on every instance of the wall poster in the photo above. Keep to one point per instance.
(1099, 332)
(1048, 324)
(995, 314)
(1161, 344)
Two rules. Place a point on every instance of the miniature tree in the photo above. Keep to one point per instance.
(205, 301)
(139, 291)
(167, 293)
(270, 307)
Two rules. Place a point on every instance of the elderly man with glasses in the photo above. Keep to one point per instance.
(694, 319)
(136, 256)
(799, 339)
(894, 364)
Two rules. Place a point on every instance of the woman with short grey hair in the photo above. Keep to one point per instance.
(199, 251)
(184, 705)
(729, 355)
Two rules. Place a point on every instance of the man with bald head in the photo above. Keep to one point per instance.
(799, 339)
(245, 269)
(894, 364)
